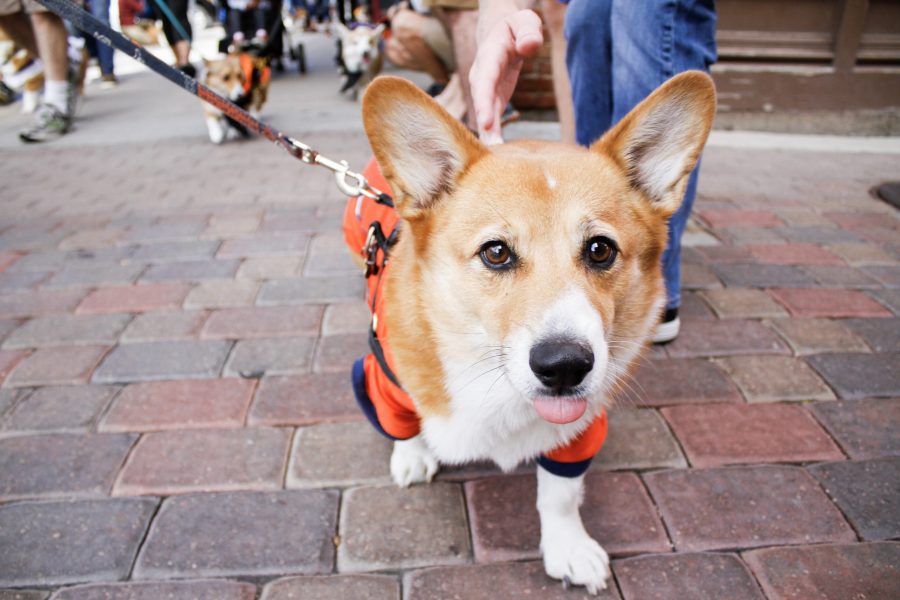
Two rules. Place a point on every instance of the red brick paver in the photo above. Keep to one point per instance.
(721, 434)
(737, 217)
(483, 582)
(793, 254)
(706, 576)
(336, 587)
(505, 524)
(135, 298)
(172, 462)
(180, 404)
(745, 507)
(153, 590)
(828, 572)
(803, 302)
(304, 399)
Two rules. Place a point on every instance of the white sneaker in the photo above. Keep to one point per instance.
(668, 329)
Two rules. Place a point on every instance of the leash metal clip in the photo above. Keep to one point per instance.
(349, 182)
(371, 250)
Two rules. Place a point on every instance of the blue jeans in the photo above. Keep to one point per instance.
(100, 9)
(621, 50)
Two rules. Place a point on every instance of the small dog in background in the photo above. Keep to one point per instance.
(21, 72)
(359, 55)
(241, 78)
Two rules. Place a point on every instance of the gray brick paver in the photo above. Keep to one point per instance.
(163, 360)
(209, 535)
(63, 330)
(66, 541)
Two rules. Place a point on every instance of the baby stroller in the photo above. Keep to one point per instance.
(247, 24)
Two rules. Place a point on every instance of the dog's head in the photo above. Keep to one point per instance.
(360, 46)
(225, 76)
(538, 261)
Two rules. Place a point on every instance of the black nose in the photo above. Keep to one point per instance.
(560, 365)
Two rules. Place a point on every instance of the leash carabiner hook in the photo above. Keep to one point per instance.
(344, 173)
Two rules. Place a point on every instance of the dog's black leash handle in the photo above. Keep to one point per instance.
(349, 182)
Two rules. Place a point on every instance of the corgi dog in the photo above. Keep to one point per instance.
(359, 55)
(21, 71)
(241, 78)
(513, 288)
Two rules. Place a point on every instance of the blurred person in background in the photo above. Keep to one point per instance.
(44, 34)
(104, 54)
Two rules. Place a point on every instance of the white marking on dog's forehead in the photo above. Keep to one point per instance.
(551, 180)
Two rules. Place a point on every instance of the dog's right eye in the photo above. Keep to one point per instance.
(497, 255)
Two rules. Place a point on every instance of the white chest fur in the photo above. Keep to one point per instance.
(490, 420)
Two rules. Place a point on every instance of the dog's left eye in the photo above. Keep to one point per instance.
(600, 252)
(497, 255)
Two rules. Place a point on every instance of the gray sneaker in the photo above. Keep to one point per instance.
(75, 74)
(49, 124)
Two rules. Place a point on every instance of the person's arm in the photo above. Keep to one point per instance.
(508, 31)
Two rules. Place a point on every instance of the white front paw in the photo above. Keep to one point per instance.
(412, 462)
(217, 130)
(576, 558)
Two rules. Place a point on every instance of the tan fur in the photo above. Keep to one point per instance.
(226, 77)
(505, 193)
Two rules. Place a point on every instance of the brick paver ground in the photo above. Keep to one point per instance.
(177, 325)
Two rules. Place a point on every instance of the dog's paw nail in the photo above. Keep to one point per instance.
(566, 582)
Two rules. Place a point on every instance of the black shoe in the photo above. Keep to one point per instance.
(435, 89)
(188, 69)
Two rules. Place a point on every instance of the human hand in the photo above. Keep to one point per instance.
(504, 42)
(393, 10)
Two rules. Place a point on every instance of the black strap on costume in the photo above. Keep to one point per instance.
(376, 240)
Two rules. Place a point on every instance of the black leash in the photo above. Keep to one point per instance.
(349, 182)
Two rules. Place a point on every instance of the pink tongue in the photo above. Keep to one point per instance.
(560, 410)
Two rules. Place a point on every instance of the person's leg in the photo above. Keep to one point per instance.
(408, 49)
(18, 27)
(652, 41)
(452, 98)
(235, 30)
(52, 43)
(321, 10)
(588, 58)
(53, 118)
(554, 13)
(180, 45)
(461, 24)
(100, 9)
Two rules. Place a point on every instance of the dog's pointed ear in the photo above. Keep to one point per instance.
(420, 148)
(380, 29)
(659, 142)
